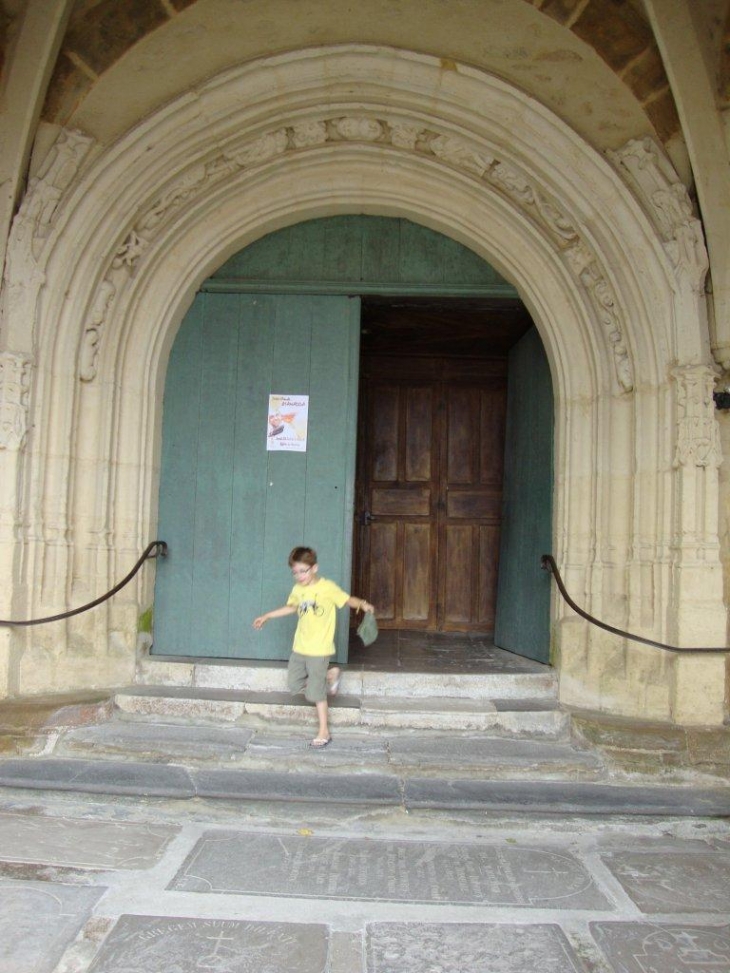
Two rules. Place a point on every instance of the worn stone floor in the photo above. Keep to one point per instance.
(90, 884)
(149, 844)
(413, 651)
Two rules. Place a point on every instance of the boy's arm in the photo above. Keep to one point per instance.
(359, 604)
(275, 613)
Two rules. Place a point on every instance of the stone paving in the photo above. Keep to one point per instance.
(134, 885)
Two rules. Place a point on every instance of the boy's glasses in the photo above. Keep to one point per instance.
(300, 572)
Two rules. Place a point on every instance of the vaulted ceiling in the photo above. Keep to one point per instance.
(594, 62)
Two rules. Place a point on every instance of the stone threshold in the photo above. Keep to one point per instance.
(522, 716)
(524, 680)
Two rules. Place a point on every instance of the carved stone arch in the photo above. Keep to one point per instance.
(317, 133)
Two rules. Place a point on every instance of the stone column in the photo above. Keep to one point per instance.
(698, 680)
(15, 375)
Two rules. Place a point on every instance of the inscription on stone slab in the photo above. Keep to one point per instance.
(683, 882)
(457, 947)
(81, 844)
(635, 947)
(38, 921)
(151, 944)
(398, 871)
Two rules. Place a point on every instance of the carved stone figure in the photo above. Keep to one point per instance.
(14, 391)
(698, 434)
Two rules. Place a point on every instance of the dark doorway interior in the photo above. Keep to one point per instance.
(433, 398)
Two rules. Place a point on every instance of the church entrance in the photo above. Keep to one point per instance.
(426, 526)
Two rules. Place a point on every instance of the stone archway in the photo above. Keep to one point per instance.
(612, 279)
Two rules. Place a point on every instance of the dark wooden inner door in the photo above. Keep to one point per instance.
(430, 466)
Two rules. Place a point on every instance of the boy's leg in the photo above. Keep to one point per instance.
(316, 666)
(323, 732)
(333, 680)
(296, 674)
(316, 692)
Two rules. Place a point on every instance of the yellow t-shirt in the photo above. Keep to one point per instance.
(316, 606)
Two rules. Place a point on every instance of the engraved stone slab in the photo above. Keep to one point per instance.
(38, 921)
(81, 843)
(665, 882)
(635, 947)
(396, 871)
(140, 944)
(455, 947)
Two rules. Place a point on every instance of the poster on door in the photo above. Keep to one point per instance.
(286, 430)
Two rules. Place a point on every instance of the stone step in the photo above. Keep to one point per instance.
(392, 751)
(518, 679)
(406, 792)
(539, 717)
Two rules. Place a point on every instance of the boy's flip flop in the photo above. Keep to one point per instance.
(319, 743)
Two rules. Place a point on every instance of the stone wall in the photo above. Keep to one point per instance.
(608, 257)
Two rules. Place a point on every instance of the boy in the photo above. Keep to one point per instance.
(315, 600)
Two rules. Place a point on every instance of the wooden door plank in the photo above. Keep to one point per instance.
(248, 595)
(212, 527)
(381, 249)
(328, 514)
(286, 472)
(181, 410)
(523, 597)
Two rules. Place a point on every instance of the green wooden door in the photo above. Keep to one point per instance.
(231, 510)
(523, 590)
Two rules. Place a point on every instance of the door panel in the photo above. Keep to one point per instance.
(417, 580)
(458, 577)
(401, 503)
(488, 573)
(473, 507)
(230, 510)
(419, 438)
(382, 548)
(431, 442)
(523, 612)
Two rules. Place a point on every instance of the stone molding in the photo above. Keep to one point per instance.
(15, 371)
(35, 221)
(45, 191)
(395, 133)
(665, 198)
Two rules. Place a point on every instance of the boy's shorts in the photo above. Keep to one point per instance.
(308, 674)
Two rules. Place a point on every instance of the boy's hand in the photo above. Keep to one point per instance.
(260, 621)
